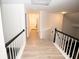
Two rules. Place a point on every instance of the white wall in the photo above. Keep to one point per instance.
(56, 21)
(13, 20)
(48, 23)
(3, 54)
(13, 16)
(43, 25)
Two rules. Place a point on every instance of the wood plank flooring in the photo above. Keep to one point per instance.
(37, 48)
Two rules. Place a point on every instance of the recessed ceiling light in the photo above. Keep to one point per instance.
(63, 12)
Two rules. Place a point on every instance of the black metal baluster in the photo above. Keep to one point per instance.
(66, 44)
(72, 47)
(55, 35)
(76, 49)
(69, 46)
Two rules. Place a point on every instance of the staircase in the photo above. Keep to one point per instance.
(12, 47)
(10, 52)
(67, 44)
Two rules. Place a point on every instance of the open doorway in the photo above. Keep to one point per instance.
(33, 22)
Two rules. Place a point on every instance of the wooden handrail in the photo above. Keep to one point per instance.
(66, 34)
(9, 42)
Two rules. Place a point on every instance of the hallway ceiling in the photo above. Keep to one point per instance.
(53, 5)
(48, 5)
(40, 2)
(69, 6)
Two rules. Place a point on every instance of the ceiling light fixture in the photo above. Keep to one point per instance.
(40, 2)
(63, 12)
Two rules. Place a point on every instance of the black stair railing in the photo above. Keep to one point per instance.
(12, 46)
(67, 43)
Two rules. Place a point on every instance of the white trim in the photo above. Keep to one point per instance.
(74, 49)
(71, 45)
(68, 44)
(77, 54)
(62, 52)
(65, 42)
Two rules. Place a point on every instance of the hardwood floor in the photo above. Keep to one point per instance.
(37, 48)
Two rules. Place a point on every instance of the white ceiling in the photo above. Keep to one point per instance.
(40, 2)
(49, 5)
(70, 6)
(54, 5)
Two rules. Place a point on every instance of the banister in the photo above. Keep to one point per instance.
(9, 42)
(68, 44)
(66, 34)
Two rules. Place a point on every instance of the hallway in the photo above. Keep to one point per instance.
(40, 49)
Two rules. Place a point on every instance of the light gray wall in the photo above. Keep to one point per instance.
(69, 28)
(77, 33)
